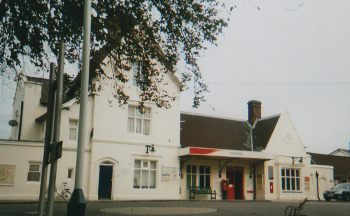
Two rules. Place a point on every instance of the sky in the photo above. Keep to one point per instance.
(292, 55)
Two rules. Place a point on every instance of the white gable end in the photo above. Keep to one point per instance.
(285, 139)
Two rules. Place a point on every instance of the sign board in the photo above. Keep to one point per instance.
(307, 183)
(169, 174)
(7, 174)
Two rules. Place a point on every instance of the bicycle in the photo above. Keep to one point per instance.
(64, 193)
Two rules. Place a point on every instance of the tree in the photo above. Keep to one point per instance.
(128, 32)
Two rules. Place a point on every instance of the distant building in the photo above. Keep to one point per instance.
(341, 152)
(340, 164)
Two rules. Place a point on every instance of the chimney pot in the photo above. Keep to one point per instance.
(254, 111)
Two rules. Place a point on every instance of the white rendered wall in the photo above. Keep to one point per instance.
(20, 154)
(16, 110)
(285, 139)
(122, 156)
(32, 109)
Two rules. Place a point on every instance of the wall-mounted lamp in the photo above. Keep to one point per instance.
(150, 148)
(296, 158)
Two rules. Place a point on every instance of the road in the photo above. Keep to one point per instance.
(208, 208)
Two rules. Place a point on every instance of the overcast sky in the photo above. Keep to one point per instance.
(292, 55)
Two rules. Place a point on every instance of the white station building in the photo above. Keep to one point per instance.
(261, 158)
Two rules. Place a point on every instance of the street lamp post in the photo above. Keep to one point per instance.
(77, 203)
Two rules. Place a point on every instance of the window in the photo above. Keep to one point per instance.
(290, 179)
(73, 130)
(139, 123)
(34, 172)
(191, 174)
(204, 176)
(70, 173)
(270, 172)
(145, 174)
(135, 70)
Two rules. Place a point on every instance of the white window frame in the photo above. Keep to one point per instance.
(34, 171)
(73, 127)
(134, 118)
(198, 176)
(287, 176)
(192, 175)
(145, 169)
(205, 184)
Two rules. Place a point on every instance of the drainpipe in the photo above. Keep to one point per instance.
(251, 137)
(254, 168)
(20, 123)
(318, 192)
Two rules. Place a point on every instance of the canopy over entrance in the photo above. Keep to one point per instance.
(223, 156)
(224, 153)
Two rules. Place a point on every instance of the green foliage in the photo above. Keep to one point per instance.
(156, 34)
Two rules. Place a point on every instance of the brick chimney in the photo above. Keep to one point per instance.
(254, 111)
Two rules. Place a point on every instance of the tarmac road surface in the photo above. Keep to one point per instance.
(198, 208)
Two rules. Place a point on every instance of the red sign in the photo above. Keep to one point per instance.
(201, 151)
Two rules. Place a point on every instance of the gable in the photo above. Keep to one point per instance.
(285, 139)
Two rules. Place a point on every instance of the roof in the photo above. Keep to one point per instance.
(37, 79)
(346, 151)
(340, 163)
(263, 131)
(211, 132)
(45, 87)
(223, 133)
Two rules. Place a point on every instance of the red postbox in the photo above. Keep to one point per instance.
(230, 192)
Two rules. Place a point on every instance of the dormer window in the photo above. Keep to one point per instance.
(139, 122)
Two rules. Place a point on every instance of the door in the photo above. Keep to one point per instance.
(105, 182)
(235, 177)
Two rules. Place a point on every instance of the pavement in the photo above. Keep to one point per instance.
(205, 208)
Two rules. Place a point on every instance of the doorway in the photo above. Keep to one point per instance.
(105, 181)
(235, 177)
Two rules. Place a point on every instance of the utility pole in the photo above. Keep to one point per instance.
(56, 134)
(77, 203)
(48, 139)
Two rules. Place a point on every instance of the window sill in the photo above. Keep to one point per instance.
(33, 182)
(144, 188)
(139, 135)
(7, 185)
(292, 191)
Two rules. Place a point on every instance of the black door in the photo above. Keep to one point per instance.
(105, 182)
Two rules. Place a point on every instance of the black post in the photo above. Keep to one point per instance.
(48, 139)
(20, 123)
(254, 181)
(56, 134)
(318, 191)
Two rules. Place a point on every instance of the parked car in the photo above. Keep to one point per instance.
(338, 192)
